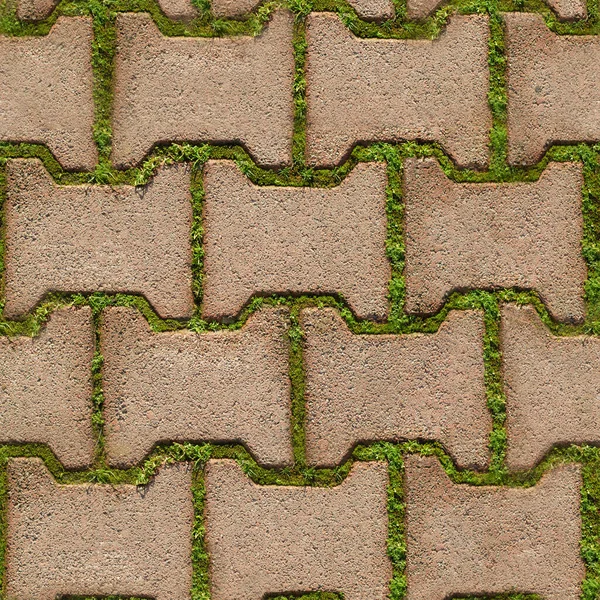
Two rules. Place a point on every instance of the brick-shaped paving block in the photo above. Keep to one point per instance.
(551, 384)
(354, 95)
(462, 236)
(46, 387)
(226, 386)
(98, 539)
(362, 388)
(82, 238)
(481, 540)
(46, 91)
(293, 240)
(553, 87)
(224, 90)
(278, 539)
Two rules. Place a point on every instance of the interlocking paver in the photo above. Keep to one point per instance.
(98, 238)
(264, 240)
(553, 87)
(470, 235)
(471, 540)
(46, 91)
(233, 90)
(267, 539)
(354, 95)
(392, 387)
(98, 539)
(221, 386)
(46, 387)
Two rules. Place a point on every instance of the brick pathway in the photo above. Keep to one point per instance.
(300, 299)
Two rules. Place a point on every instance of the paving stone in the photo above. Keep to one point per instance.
(480, 540)
(373, 10)
(276, 539)
(46, 92)
(233, 8)
(232, 90)
(98, 539)
(226, 386)
(293, 240)
(550, 78)
(443, 96)
(362, 388)
(35, 10)
(98, 238)
(46, 387)
(462, 236)
(178, 10)
(421, 9)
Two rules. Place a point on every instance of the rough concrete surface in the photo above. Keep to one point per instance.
(226, 386)
(178, 10)
(98, 539)
(293, 240)
(394, 387)
(98, 238)
(470, 235)
(467, 540)
(273, 539)
(46, 387)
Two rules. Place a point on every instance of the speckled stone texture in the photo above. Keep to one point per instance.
(293, 240)
(98, 238)
(442, 98)
(274, 539)
(468, 540)
(98, 539)
(553, 87)
(178, 10)
(462, 236)
(235, 90)
(46, 387)
(46, 91)
(226, 386)
(362, 388)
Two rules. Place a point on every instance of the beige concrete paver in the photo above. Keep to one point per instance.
(469, 540)
(268, 539)
(98, 539)
(178, 10)
(354, 95)
(227, 386)
(293, 240)
(46, 387)
(462, 236)
(98, 238)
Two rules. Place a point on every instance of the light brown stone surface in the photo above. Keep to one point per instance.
(98, 539)
(363, 90)
(178, 10)
(226, 386)
(232, 90)
(462, 236)
(46, 387)
(34, 10)
(552, 387)
(373, 10)
(293, 240)
(467, 540)
(363, 388)
(275, 539)
(98, 238)
(233, 8)
(553, 87)
(46, 91)
(420, 9)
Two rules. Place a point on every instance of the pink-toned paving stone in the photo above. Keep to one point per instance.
(233, 8)
(98, 238)
(276, 539)
(354, 95)
(553, 87)
(46, 91)
(363, 388)
(178, 10)
(293, 240)
(551, 384)
(462, 236)
(480, 540)
(98, 539)
(227, 386)
(46, 387)
(35, 10)
(224, 90)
